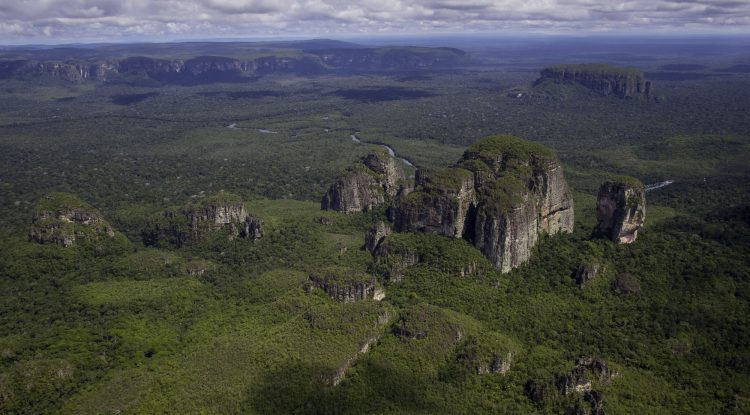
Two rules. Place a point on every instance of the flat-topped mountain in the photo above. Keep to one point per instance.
(237, 65)
(601, 78)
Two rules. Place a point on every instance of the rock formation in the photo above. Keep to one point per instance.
(601, 78)
(577, 384)
(621, 209)
(217, 68)
(371, 182)
(392, 259)
(585, 272)
(346, 285)
(486, 354)
(440, 205)
(500, 197)
(63, 219)
(376, 235)
(198, 221)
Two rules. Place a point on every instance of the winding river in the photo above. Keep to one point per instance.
(659, 185)
(388, 148)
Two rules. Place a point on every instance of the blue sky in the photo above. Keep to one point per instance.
(60, 21)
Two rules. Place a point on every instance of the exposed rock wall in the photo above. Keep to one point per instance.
(196, 222)
(501, 196)
(213, 68)
(621, 209)
(345, 285)
(604, 79)
(440, 205)
(371, 182)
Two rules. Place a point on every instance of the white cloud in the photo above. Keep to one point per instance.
(77, 20)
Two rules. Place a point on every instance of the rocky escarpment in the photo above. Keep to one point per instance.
(63, 219)
(501, 196)
(603, 79)
(371, 182)
(621, 209)
(196, 222)
(218, 68)
(346, 285)
(75, 71)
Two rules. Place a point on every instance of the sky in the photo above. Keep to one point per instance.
(61, 21)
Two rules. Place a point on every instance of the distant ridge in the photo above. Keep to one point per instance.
(196, 63)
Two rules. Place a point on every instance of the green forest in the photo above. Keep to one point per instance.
(131, 319)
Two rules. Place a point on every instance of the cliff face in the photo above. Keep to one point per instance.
(604, 79)
(193, 223)
(218, 68)
(63, 219)
(66, 71)
(621, 209)
(501, 196)
(369, 183)
(440, 203)
(345, 285)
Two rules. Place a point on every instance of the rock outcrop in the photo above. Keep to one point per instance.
(601, 78)
(441, 204)
(501, 196)
(577, 385)
(63, 219)
(586, 272)
(346, 285)
(621, 209)
(487, 353)
(371, 182)
(196, 222)
(376, 235)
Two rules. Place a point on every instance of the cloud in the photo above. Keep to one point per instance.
(111, 20)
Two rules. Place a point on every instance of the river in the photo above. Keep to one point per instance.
(659, 185)
(388, 148)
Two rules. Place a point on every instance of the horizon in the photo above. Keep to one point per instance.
(45, 22)
(401, 39)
